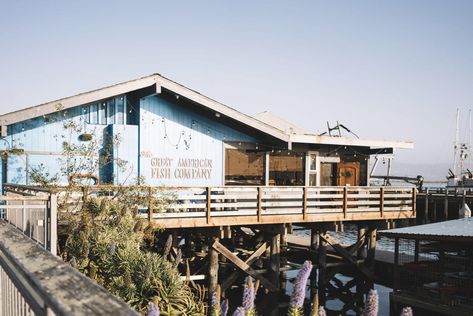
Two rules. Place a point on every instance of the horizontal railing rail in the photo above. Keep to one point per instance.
(232, 205)
(35, 282)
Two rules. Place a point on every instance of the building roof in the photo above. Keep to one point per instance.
(453, 230)
(265, 122)
(282, 124)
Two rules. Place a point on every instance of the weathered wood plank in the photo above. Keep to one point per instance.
(243, 266)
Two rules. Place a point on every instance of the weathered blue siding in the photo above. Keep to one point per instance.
(180, 147)
(172, 145)
(126, 150)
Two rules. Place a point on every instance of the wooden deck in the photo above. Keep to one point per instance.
(227, 206)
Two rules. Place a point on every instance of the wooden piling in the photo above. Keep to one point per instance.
(445, 206)
(213, 267)
(275, 260)
(322, 264)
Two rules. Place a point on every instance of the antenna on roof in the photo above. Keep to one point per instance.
(337, 127)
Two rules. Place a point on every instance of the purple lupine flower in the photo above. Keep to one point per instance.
(214, 300)
(153, 310)
(249, 295)
(406, 311)
(298, 293)
(224, 307)
(240, 311)
(322, 311)
(372, 304)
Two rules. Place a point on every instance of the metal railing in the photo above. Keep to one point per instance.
(35, 216)
(35, 282)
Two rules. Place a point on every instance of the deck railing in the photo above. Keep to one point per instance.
(243, 205)
(285, 204)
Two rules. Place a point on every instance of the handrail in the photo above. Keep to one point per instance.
(33, 280)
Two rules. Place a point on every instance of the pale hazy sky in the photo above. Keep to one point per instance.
(385, 69)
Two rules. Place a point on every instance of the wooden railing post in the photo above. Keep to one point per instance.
(304, 204)
(150, 204)
(209, 204)
(259, 203)
(345, 201)
(414, 201)
(381, 201)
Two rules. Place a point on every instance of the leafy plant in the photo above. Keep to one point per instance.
(106, 243)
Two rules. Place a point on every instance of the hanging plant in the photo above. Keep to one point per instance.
(85, 137)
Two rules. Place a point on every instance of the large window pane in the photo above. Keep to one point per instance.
(244, 167)
(103, 113)
(286, 168)
(111, 111)
(120, 114)
(327, 174)
(93, 114)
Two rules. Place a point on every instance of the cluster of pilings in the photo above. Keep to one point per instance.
(222, 257)
(434, 205)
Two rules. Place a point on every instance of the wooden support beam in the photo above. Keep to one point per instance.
(249, 261)
(259, 203)
(372, 235)
(345, 201)
(445, 206)
(347, 256)
(304, 204)
(322, 265)
(213, 268)
(414, 202)
(275, 259)
(381, 201)
(208, 209)
(242, 265)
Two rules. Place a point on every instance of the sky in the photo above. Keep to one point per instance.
(386, 69)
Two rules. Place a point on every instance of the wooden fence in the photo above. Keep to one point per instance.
(179, 207)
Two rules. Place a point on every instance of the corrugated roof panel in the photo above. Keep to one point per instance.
(458, 229)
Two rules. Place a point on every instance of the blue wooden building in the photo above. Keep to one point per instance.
(165, 134)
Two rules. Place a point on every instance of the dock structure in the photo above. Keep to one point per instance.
(441, 204)
(224, 186)
(226, 233)
(433, 268)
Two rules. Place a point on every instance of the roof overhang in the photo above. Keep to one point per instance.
(345, 141)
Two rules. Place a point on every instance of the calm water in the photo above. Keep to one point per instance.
(348, 237)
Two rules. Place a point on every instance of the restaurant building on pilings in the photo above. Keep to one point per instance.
(171, 135)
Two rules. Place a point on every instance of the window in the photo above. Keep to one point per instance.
(111, 111)
(93, 114)
(102, 113)
(312, 169)
(120, 108)
(244, 167)
(286, 168)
